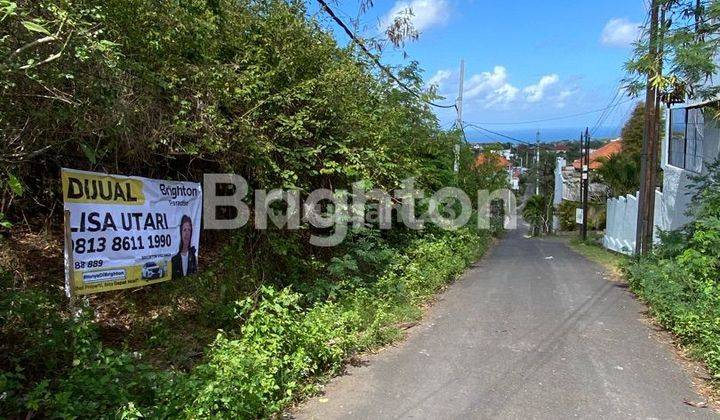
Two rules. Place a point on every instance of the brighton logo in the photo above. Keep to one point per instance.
(334, 211)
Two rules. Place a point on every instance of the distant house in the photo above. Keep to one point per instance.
(567, 177)
(506, 153)
(567, 183)
(597, 156)
(515, 175)
(561, 148)
(500, 162)
(497, 159)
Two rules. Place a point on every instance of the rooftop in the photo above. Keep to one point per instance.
(612, 148)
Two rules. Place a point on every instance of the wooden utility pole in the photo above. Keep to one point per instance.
(585, 183)
(537, 163)
(648, 159)
(459, 106)
(582, 158)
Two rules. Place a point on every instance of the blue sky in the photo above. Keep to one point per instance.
(524, 60)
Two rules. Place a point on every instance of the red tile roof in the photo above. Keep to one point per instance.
(498, 160)
(612, 148)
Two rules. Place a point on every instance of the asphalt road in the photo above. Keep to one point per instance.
(521, 335)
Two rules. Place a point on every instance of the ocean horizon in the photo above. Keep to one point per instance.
(546, 134)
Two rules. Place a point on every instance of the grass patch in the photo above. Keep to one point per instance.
(593, 250)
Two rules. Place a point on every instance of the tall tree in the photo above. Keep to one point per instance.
(688, 50)
(632, 132)
(621, 173)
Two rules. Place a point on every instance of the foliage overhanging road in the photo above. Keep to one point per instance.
(521, 335)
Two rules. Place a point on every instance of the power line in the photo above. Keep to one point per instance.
(609, 110)
(555, 118)
(604, 114)
(505, 136)
(374, 58)
(467, 124)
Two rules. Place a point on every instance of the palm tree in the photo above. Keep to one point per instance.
(621, 173)
(536, 213)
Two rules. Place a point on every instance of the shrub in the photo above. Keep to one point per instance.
(680, 281)
(277, 352)
(566, 211)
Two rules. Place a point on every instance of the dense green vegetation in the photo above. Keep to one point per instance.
(566, 215)
(621, 171)
(538, 213)
(174, 89)
(273, 348)
(686, 57)
(680, 281)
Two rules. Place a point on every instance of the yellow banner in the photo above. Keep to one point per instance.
(105, 280)
(93, 188)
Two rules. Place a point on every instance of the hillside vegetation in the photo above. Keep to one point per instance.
(173, 89)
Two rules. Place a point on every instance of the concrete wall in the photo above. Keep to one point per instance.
(622, 222)
(675, 198)
(560, 163)
(671, 204)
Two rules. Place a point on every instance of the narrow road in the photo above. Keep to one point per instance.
(520, 335)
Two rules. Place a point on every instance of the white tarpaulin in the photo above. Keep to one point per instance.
(124, 232)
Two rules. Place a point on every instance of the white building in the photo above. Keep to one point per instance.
(567, 187)
(692, 141)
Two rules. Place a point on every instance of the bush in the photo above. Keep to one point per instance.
(566, 212)
(279, 349)
(680, 281)
(282, 348)
(35, 340)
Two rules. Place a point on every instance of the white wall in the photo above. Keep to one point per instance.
(559, 181)
(675, 198)
(671, 204)
(621, 224)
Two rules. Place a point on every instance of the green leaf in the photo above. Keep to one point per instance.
(89, 153)
(35, 27)
(15, 185)
(8, 9)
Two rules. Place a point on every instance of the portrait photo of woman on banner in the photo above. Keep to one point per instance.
(184, 262)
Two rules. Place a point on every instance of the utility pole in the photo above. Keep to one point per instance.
(459, 106)
(582, 182)
(585, 184)
(537, 163)
(648, 165)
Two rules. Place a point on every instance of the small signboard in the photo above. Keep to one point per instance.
(579, 216)
(124, 232)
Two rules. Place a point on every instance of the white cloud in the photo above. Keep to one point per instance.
(562, 96)
(425, 13)
(503, 95)
(491, 87)
(438, 78)
(620, 32)
(536, 92)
